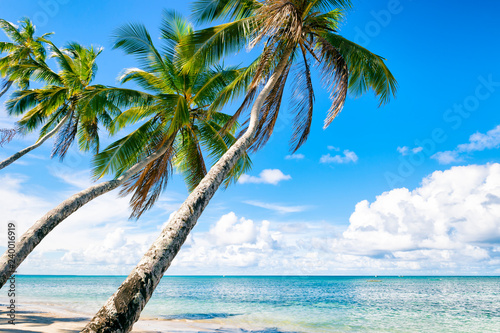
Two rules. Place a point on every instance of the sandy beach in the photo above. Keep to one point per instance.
(32, 319)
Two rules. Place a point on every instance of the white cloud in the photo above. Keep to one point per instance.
(349, 156)
(277, 208)
(405, 150)
(447, 157)
(267, 176)
(228, 230)
(294, 157)
(79, 179)
(230, 243)
(333, 148)
(477, 142)
(454, 217)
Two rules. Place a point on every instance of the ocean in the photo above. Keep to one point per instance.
(292, 304)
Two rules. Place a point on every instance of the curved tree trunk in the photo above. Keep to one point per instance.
(23, 152)
(124, 307)
(6, 87)
(49, 221)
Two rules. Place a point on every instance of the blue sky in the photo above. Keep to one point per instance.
(307, 214)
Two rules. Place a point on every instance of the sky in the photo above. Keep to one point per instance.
(410, 188)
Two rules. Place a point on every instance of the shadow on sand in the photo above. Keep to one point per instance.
(36, 322)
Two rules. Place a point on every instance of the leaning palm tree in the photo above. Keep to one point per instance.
(60, 107)
(176, 130)
(22, 47)
(291, 32)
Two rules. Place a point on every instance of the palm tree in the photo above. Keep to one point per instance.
(292, 32)
(22, 47)
(61, 105)
(176, 131)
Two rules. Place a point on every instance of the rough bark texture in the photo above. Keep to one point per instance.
(6, 87)
(23, 152)
(124, 307)
(49, 221)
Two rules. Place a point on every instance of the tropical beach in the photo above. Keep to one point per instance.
(274, 304)
(258, 166)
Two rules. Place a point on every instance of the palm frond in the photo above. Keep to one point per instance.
(62, 59)
(328, 5)
(210, 10)
(134, 39)
(35, 70)
(7, 47)
(302, 104)
(11, 30)
(55, 118)
(6, 135)
(146, 80)
(148, 184)
(335, 76)
(174, 29)
(270, 111)
(65, 137)
(88, 135)
(21, 101)
(125, 152)
(131, 116)
(99, 97)
(213, 43)
(213, 83)
(189, 158)
(366, 69)
(181, 116)
(236, 88)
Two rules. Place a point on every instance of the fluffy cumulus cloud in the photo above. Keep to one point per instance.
(477, 142)
(456, 210)
(347, 157)
(267, 176)
(231, 243)
(449, 225)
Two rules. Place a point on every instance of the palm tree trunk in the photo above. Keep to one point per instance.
(23, 152)
(124, 307)
(49, 221)
(6, 87)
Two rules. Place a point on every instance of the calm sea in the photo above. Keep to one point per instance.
(294, 304)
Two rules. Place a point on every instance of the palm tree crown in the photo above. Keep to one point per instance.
(67, 96)
(174, 115)
(308, 29)
(22, 47)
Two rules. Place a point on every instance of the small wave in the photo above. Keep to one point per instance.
(199, 316)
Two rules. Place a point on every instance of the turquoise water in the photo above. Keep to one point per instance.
(295, 304)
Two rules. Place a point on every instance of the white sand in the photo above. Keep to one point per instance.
(33, 319)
